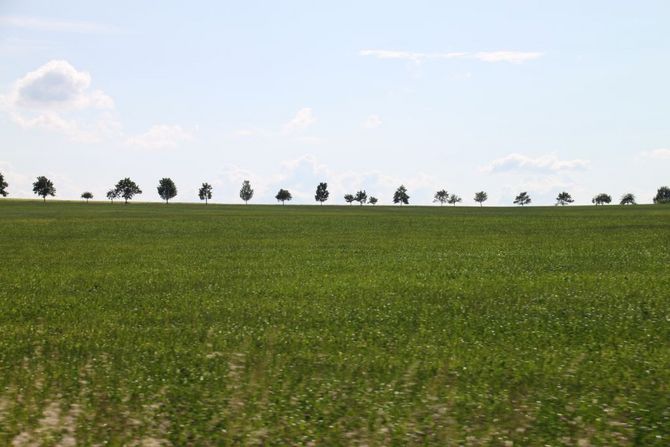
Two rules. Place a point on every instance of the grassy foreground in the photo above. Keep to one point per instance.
(149, 324)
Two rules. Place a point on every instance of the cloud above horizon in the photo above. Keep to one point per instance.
(515, 57)
(543, 163)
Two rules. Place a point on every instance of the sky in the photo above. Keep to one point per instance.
(500, 96)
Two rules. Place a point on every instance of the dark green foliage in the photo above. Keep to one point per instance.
(246, 193)
(602, 199)
(522, 199)
(349, 198)
(112, 194)
(454, 199)
(44, 187)
(283, 195)
(400, 196)
(205, 192)
(333, 326)
(3, 186)
(628, 199)
(441, 197)
(481, 197)
(126, 189)
(166, 189)
(373, 200)
(87, 196)
(361, 197)
(662, 195)
(564, 198)
(321, 193)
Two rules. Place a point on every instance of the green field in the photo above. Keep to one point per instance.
(184, 324)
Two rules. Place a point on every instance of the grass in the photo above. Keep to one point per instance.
(183, 324)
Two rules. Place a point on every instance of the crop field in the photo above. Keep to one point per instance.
(153, 324)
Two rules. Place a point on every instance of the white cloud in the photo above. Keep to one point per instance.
(373, 121)
(657, 154)
(58, 98)
(516, 57)
(48, 24)
(160, 136)
(544, 163)
(302, 120)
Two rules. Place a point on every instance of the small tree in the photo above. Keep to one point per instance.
(166, 189)
(601, 199)
(3, 186)
(628, 199)
(481, 197)
(522, 199)
(112, 194)
(246, 193)
(349, 198)
(205, 192)
(321, 193)
(662, 195)
(361, 197)
(400, 196)
(372, 200)
(44, 187)
(127, 189)
(441, 196)
(283, 195)
(454, 199)
(87, 196)
(564, 199)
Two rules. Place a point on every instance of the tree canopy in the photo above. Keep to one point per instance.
(283, 195)
(3, 186)
(246, 193)
(601, 199)
(628, 199)
(349, 198)
(44, 187)
(361, 197)
(522, 199)
(441, 197)
(564, 198)
(321, 192)
(87, 196)
(454, 199)
(205, 192)
(400, 196)
(166, 189)
(127, 189)
(373, 200)
(662, 195)
(112, 194)
(481, 197)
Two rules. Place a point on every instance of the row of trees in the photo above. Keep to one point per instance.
(126, 189)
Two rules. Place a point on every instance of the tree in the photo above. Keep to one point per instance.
(349, 198)
(481, 197)
(87, 195)
(662, 195)
(205, 192)
(246, 193)
(628, 199)
(44, 187)
(373, 200)
(361, 197)
(3, 186)
(112, 194)
(166, 189)
(454, 199)
(522, 199)
(283, 195)
(127, 189)
(400, 196)
(601, 199)
(441, 196)
(564, 199)
(321, 192)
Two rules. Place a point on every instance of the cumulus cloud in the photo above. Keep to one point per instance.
(373, 121)
(302, 120)
(160, 136)
(515, 57)
(544, 163)
(658, 154)
(57, 97)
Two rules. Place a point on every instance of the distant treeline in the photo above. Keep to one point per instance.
(126, 189)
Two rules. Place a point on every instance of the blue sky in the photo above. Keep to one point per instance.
(501, 96)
